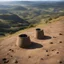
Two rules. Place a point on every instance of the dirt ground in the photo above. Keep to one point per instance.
(49, 50)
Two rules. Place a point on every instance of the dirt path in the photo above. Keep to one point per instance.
(47, 51)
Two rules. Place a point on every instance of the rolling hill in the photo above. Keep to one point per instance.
(19, 8)
(18, 15)
(45, 51)
(11, 23)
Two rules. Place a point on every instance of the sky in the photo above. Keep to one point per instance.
(31, 0)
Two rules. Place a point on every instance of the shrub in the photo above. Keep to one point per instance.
(31, 25)
(2, 34)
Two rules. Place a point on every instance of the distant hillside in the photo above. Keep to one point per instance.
(12, 17)
(20, 8)
(17, 3)
(15, 14)
(11, 23)
(48, 4)
(3, 11)
(4, 6)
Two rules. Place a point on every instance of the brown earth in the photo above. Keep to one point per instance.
(49, 50)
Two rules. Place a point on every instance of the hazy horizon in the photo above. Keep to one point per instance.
(31, 0)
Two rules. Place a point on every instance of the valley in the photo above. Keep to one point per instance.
(17, 15)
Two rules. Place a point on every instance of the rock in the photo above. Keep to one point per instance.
(57, 52)
(53, 49)
(11, 56)
(51, 42)
(16, 61)
(54, 37)
(42, 59)
(46, 50)
(60, 42)
(11, 50)
(29, 56)
(5, 60)
(47, 54)
(60, 34)
(60, 62)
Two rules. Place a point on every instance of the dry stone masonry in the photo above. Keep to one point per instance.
(39, 33)
(23, 41)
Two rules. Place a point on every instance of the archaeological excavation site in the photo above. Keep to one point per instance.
(31, 31)
(40, 45)
(23, 41)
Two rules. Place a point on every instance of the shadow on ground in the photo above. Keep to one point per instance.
(34, 46)
(45, 38)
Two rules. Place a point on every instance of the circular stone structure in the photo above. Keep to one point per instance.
(39, 33)
(23, 41)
